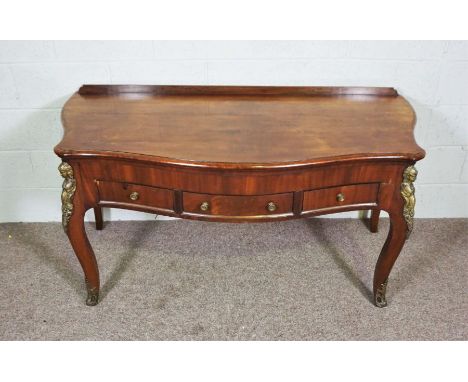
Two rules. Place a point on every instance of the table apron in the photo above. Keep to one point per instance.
(387, 175)
(242, 182)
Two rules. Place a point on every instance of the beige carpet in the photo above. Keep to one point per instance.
(183, 280)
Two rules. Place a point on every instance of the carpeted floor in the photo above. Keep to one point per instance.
(182, 280)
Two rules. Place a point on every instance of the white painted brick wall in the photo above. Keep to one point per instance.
(36, 77)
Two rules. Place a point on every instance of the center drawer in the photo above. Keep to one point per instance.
(228, 205)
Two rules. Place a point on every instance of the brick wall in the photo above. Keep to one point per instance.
(36, 77)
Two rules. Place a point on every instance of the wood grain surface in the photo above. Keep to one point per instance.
(241, 127)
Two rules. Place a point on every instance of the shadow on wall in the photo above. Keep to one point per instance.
(423, 116)
(423, 123)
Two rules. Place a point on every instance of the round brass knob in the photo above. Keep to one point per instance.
(271, 207)
(340, 197)
(134, 196)
(204, 206)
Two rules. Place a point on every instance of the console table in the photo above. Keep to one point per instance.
(238, 154)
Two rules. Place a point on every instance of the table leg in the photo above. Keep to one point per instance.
(401, 224)
(374, 221)
(98, 218)
(73, 212)
(390, 251)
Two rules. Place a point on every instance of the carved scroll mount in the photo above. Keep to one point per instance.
(68, 191)
(408, 193)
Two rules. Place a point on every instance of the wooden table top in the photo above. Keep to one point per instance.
(238, 127)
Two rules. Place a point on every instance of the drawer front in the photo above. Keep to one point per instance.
(135, 194)
(340, 196)
(227, 205)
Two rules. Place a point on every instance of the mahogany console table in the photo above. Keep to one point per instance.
(238, 154)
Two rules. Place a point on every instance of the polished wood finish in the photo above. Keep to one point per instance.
(238, 149)
(245, 130)
(165, 90)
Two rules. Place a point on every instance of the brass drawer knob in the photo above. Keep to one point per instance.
(271, 207)
(134, 196)
(205, 206)
(340, 197)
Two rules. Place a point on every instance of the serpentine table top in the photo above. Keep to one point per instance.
(238, 154)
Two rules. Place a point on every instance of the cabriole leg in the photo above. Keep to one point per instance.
(374, 221)
(98, 218)
(390, 251)
(401, 225)
(73, 212)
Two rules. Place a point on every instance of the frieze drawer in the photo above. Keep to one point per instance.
(340, 196)
(136, 195)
